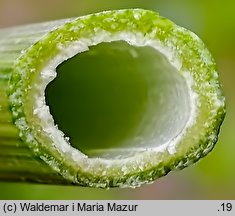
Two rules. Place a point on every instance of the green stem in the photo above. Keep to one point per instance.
(145, 100)
(17, 161)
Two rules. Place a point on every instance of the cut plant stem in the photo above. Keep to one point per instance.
(113, 99)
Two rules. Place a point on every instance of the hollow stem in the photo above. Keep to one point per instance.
(113, 99)
(115, 95)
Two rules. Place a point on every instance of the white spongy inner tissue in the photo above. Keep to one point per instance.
(67, 51)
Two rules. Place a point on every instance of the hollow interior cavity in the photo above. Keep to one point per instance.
(116, 100)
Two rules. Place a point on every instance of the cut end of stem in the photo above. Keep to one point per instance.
(113, 99)
(117, 98)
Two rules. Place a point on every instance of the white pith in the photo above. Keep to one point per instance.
(41, 110)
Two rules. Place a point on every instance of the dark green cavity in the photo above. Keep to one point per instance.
(101, 97)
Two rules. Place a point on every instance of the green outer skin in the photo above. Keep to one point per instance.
(198, 140)
(17, 160)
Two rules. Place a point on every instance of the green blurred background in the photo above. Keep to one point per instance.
(213, 177)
